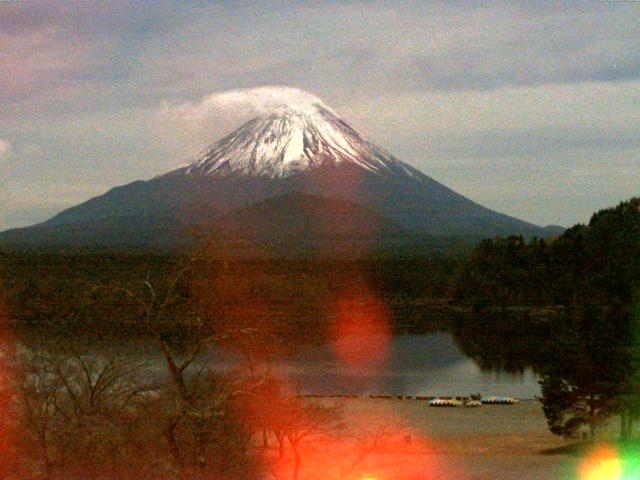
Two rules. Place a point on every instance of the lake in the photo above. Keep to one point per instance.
(429, 365)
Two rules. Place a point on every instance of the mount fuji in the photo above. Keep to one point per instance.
(296, 178)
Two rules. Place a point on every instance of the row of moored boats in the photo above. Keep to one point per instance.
(472, 402)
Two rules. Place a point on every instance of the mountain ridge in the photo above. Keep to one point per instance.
(312, 152)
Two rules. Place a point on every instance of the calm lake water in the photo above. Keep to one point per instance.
(415, 365)
(429, 365)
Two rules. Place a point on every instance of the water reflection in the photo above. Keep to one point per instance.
(428, 365)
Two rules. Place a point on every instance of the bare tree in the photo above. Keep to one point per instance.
(73, 406)
(299, 421)
(198, 417)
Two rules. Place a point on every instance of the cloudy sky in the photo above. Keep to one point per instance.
(529, 108)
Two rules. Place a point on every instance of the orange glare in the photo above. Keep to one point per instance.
(603, 464)
(361, 332)
(8, 432)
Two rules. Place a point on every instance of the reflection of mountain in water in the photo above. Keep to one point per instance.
(417, 365)
(502, 340)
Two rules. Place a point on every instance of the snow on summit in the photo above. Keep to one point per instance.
(291, 139)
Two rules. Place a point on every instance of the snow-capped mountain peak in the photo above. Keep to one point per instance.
(289, 141)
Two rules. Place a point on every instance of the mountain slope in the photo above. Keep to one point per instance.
(288, 154)
(301, 223)
(308, 217)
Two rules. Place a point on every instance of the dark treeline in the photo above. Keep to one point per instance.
(595, 263)
(569, 308)
(82, 292)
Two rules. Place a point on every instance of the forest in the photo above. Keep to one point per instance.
(568, 307)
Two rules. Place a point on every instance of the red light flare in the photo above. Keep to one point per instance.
(8, 427)
(255, 310)
(360, 329)
(376, 444)
(360, 337)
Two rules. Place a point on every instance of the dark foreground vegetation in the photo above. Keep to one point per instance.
(70, 413)
(76, 410)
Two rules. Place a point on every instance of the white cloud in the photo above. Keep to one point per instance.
(189, 125)
(6, 149)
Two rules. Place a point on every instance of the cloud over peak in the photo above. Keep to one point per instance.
(203, 122)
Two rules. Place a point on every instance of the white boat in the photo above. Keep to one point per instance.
(445, 402)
